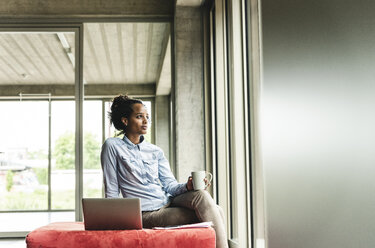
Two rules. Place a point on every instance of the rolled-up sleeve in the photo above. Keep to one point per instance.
(170, 184)
(109, 167)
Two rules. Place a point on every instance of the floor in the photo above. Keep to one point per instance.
(25, 222)
(12, 243)
(22, 223)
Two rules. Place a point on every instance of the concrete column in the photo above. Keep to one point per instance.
(188, 90)
(162, 124)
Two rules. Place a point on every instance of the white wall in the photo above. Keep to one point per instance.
(318, 123)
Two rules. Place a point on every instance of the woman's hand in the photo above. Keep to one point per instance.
(189, 184)
(206, 182)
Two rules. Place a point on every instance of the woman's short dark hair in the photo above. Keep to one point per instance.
(122, 106)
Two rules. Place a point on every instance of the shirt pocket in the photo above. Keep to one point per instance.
(152, 167)
(129, 164)
(131, 172)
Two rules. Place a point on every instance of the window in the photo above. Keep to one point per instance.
(24, 155)
(234, 141)
(54, 98)
(63, 174)
(35, 66)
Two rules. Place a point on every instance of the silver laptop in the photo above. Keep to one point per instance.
(112, 213)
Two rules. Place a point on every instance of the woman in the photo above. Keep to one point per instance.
(139, 169)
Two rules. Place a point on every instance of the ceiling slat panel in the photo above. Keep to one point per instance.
(99, 51)
(141, 51)
(128, 45)
(30, 42)
(9, 70)
(90, 56)
(61, 56)
(121, 66)
(135, 52)
(5, 77)
(13, 59)
(49, 47)
(90, 71)
(57, 56)
(158, 49)
(113, 50)
(105, 49)
(148, 52)
(21, 45)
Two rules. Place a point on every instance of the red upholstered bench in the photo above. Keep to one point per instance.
(73, 235)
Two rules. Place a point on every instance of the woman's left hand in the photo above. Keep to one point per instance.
(207, 184)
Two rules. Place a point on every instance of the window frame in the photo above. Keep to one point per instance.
(77, 27)
(235, 86)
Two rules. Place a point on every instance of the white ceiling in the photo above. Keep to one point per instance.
(34, 58)
(128, 53)
(114, 53)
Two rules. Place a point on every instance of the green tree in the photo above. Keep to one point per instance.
(38, 154)
(64, 151)
(91, 151)
(9, 180)
(41, 175)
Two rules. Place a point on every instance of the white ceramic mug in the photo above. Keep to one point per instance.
(198, 179)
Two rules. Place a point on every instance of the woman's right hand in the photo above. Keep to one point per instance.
(189, 184)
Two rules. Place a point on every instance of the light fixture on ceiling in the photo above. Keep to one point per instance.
(24, 75)
(66, 47)
(68, 50)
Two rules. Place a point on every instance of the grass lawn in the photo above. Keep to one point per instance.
(38, 199)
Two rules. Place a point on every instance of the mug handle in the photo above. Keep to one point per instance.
(208, 181)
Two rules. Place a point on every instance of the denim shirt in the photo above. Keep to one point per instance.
(138, 171)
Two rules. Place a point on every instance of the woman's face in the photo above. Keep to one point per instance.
(137, 123)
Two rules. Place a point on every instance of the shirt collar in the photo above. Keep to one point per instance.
(131, 145)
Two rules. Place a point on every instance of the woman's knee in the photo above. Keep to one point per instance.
(202, 192)
(203, 196)
(222, 215)
(220, 209)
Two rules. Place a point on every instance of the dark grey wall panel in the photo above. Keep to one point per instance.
(318, 136)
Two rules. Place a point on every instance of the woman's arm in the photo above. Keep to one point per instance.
(170, 185)
(108, 161)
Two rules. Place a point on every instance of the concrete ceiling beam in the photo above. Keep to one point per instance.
(191, 3)
(13, 91)
(164, 81)
(85, 8)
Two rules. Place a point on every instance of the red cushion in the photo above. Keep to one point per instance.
(73, 235)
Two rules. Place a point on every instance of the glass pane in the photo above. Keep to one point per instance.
(23, 155)
(35, 69)
(317, 129)
(149, 130)
(63, 155)
(110, 130)
(92, 142)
